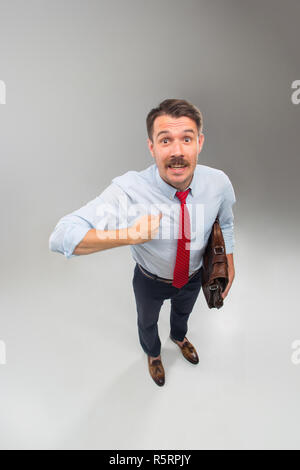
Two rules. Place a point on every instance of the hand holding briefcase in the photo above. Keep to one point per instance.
(215, 267)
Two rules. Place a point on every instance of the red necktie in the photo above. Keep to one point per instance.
(181, 271)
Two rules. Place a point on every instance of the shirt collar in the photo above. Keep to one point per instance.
(168, 190)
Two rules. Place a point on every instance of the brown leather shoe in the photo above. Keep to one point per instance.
(157, 371)
(188, 351)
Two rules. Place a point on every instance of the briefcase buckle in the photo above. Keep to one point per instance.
(217, 248)
(213, 287)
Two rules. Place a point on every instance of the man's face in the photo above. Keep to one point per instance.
(175, 143)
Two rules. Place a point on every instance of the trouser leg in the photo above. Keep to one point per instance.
(182, 305)
(148, 303)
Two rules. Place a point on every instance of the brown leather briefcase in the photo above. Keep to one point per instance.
(215, 267)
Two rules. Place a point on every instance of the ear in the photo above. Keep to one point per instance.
(201, 141)
(150, 145)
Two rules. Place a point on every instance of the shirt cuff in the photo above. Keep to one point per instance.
(74, 234)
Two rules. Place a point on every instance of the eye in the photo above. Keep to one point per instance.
(167, 138)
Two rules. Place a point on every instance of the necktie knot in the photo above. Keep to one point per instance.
(182, 195)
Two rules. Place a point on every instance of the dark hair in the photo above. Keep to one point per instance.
(174, 108)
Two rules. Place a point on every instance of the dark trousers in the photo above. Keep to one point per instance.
(150, 295)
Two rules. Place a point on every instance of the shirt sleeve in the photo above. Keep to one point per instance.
(108, 211)
(226, 217)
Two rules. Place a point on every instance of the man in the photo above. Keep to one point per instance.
(174, 193)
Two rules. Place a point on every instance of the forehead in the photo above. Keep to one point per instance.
(173, 125)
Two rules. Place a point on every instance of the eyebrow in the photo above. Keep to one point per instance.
(168, 132)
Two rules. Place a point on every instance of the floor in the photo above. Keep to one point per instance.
(76, 377)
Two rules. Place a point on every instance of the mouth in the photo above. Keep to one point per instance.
(177, 169)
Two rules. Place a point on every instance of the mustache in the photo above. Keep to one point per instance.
(177, 161)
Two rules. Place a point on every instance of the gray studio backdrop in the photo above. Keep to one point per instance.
(80, 78)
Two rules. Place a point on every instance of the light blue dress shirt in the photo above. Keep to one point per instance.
(137, 193)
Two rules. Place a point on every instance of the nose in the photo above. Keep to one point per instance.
(177, 149)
